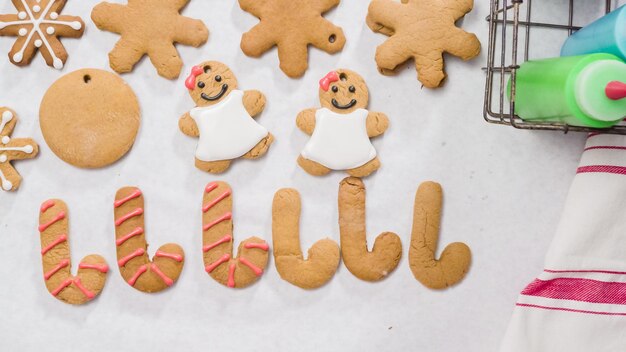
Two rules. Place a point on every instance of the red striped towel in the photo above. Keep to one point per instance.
(579, 302)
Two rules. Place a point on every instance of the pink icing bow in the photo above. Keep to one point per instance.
(331, 77)
(190, 82)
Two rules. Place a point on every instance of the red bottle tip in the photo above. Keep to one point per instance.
(615, 90)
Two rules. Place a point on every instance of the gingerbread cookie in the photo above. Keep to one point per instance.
(291, 25)
(89, 118)
(323, 256)
(223, 118)
(455, 258)
(367, 265)
(38, 25)
(149, 27)
(421, 30)
(217, 241)
(12, 149)
(130, 239)
(341, 130)
(56, 259)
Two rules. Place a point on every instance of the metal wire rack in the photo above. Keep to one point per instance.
(512, 29)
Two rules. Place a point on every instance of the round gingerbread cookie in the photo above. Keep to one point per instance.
(89, 118)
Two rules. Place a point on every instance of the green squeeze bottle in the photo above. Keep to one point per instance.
(587, 90)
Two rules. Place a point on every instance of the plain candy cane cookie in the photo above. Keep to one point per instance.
(12, 149)
(38, 25)
(421, 30)
(367, 265)
(132, 249)
(223, 118)
(56, 259)
(323, 257)
(291, 25)
(217, 241)
(341, 130)
(89, 118)
(455, 258)
(149, 27)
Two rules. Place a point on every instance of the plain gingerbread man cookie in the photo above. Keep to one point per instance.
(223, 118)
(341, 130)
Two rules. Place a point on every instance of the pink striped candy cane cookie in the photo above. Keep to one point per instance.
(217, 241)
(55, 256)
(130, 239)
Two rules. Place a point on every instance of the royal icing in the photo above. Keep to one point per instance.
(33, 21)
(340, 141)
(7, 116)
(227, 131)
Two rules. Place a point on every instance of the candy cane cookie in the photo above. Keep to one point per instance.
(132, 249)
(57, 265)
(217, 241)
(367, 265)
(455, 259)
(323, 256)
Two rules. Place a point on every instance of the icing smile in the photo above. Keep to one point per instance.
(219, 95)
(347, 106)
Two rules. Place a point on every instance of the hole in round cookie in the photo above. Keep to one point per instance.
(207, 69)
(332, 38)
(87, 78)
(343, 77)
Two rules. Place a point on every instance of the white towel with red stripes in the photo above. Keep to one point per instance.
(579, 302)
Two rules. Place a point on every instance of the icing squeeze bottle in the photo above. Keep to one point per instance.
(586, 90)
(606, 35)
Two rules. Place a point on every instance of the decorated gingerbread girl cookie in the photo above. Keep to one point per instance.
(341, 130)
(223, 118)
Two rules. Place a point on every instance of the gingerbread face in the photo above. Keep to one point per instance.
(210, 83)
(343, 91)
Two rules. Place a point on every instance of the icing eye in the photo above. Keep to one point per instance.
(335, 89)
(218, 78)
(351, 89)
(200, 84)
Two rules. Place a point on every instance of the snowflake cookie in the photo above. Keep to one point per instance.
(12, 149)
(149, 27)
(38, 26)
(421, 30)
(291, 25)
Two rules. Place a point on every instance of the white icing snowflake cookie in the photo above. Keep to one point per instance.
(38, 25)
(12, 149)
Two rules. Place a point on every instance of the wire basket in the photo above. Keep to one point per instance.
(512, 28)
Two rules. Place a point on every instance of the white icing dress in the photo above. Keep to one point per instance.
(227, 131)
(340, 141)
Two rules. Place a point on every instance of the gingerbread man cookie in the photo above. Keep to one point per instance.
(367, 265)
(38, 25)
(341, 130)
(455, 258)
(421, 30)
(291, 25)
(130, 239)
(217, 241)
(56, 259)
(12, 149)
(149, 27)
(323, 256)
(223, 118)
